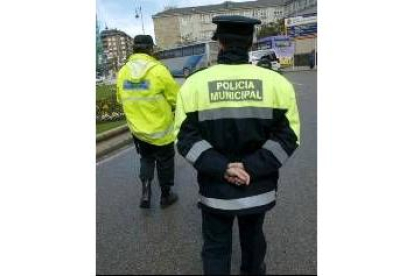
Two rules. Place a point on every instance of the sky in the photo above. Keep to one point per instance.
(120, 14)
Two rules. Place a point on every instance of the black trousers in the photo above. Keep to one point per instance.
(217, 235)
(160, 156)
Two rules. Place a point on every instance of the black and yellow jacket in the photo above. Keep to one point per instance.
(237, 113)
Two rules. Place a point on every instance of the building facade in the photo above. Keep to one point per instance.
(304, 26)
(184, 25)
(117, 47)
(295, 7)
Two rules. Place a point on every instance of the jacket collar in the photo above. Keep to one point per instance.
(141, 56)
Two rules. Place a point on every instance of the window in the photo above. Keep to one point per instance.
(264, 45)
(199, 49)
(282, 44)
(207, 34)
(303, 3)
(170, 54)
(177, 53)
(185, 19)
(167, 54)
(205, 18)
(188, 51)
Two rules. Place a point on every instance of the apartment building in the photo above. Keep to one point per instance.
(183, 25)
(117, 47)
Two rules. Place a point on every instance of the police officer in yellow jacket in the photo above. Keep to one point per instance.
(148, 92)
(237, 124)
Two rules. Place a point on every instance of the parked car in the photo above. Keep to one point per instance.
(265, 58)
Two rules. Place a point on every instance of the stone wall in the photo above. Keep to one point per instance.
(167, 31)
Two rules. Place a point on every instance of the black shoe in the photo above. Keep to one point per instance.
(168, 199)
(146, 194)
(261, 271)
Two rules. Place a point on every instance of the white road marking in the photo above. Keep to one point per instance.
(115, 155)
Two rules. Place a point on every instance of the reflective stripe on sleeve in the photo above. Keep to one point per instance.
(236, 113)
(196, 150)
(136, 99)
(277, 150)
(163, 133)
(240, 203)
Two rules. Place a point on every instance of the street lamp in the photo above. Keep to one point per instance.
(138, 14)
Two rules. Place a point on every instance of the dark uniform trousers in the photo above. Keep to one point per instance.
(160, 156)
(217, 248)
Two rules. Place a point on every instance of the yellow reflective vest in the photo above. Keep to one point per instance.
(148, 92)
(237, 113)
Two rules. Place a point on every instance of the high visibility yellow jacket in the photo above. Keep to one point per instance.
(237, 113)
(148, 92)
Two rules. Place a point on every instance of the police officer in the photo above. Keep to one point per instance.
(148, 92)
(237, 124)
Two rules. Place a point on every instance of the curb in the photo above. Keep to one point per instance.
(112, 140)
(111, 133)
(299, 70)
(113, 147)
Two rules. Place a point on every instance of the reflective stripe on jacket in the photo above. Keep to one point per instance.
(148, 92)
(237, 113)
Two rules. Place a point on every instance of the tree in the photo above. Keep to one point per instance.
(272, 29)
(99, 49)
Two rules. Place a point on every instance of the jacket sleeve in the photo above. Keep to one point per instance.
(119, 83)
(190, 143)
(283, 140)
(171, 87)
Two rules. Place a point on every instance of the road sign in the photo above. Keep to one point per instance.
(302, 30)
(300, 20)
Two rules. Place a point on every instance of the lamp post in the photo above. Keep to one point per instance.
(138, 14)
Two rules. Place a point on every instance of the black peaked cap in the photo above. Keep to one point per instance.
(143, 40)
(234, 25)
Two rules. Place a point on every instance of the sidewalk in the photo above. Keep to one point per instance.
(299, 68)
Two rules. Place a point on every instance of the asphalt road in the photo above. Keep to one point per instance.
(130, 240)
